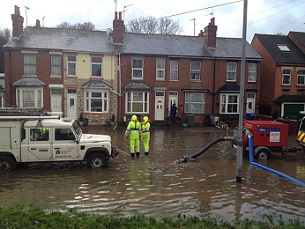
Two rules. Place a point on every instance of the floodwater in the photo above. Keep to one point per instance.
(156, 187)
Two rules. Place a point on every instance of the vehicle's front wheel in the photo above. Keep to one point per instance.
(7, 163)
(263, 154)
(97, 161)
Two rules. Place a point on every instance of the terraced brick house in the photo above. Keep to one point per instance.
(67, 71)
(200, 74)
(283, 73)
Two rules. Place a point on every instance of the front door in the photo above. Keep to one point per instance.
(72, 104)
(250, 109)
(56, 100)
(172, 98)
(159, 106)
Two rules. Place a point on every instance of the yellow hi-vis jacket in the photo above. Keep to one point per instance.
(133, 130)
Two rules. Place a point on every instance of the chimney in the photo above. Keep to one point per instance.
(210, 34)
(118, 28)
(17, 23)
(37, 23)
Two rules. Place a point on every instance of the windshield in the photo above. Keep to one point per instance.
(77, 129)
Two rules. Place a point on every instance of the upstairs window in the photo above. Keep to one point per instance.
(96, 66)
(29, 64)
(252, 72)
(231, 71)
(195, 70)
(173, 70)
(137, 68)
(286, 77)
(301, 78)
(160, 69)
(71, 65)
(55, 65)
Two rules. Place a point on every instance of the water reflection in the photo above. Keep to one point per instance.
(152, 185)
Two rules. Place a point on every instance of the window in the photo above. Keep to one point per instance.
(229, 103)
(96, 66)
(71, 65)
(195, 70)
(55, 65)
(29, 64)
(137, 102)
(96, 101)
(231, 71)
(283, 47)
(252, 72)
(29, 97)
(173, 70)
(160, 69)
(286, 76)
(194, 103)
(64, 134)
(39, 134)
(301, 77)
(137, 68)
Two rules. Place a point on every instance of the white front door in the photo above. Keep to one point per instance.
(159, 106)
(56, 100)
(72, 104)
(250, 102)
(172, 98)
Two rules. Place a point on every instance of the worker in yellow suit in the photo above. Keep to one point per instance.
(145, 136)
(133, 132)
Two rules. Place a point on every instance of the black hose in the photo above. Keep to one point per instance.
(204, 149)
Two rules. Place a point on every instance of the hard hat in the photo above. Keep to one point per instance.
(145, 118)
(134, 118)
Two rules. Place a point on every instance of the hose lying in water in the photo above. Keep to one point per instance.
(204, 149)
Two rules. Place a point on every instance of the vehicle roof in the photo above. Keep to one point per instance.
(50, 123)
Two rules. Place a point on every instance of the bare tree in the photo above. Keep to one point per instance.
(152, 25)
(80, 26)
(5, 35)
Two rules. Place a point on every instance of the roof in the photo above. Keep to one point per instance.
(300, 37)
(63, 39)
(270, 42)
(137, 87)
(96, 84)
(73, 40)
(229, 87)
(290, 98)
(29, 82)
(189, 46)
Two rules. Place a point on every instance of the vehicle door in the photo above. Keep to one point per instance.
(65, 146)
(37, 145)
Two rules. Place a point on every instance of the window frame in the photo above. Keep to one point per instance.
(174, 70)
(160, 70)
(94, 64)
(132, 106)
(37, 97)
(55, 67)
(71, 63)
(252, 71)
(29, 64)
(189, 103)
(301, 73)
(231, 72)
(140, 69)
(195, 72)
(226, 103)
(104, 100)
(285, 75)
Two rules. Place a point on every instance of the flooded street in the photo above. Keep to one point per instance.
(155, 187)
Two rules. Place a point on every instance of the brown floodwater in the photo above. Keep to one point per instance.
(156, 187)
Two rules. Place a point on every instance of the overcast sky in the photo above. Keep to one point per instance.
(264, 16)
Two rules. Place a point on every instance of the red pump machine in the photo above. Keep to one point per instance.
(268, 137)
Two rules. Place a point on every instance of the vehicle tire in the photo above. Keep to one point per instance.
(7, 163)
(263, 154)
(97, 161)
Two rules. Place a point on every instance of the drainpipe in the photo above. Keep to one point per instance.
(120, 89)
(213, 92)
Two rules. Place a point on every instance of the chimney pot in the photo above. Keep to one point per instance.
(37, 23)
(17, 10)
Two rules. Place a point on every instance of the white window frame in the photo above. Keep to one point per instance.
(137, 102)
(160, 69)
(226, 104)
(96, 62)
(55, 65)
(195, 70)
(286, 76)
(71, 63)
(252, 72)
(301, 77)
(174, 65)
(137, 68)
(192, 104)
(90, 95)
(231, 71)
(34, 95)
(29, 64)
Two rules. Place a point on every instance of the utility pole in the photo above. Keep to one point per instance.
(193, 19)
(239, 156)
(26, 15)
